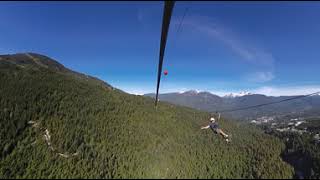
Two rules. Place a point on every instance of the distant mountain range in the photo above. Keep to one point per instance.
(210, 102)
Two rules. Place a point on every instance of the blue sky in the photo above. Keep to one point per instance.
(270, 48)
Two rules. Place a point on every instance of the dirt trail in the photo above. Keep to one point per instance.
(47, 138)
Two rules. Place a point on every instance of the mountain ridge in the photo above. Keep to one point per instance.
(213, 103)
(32, 60)
(228, 95)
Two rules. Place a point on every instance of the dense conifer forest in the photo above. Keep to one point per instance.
(56, 123)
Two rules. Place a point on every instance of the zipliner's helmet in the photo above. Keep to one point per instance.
(212, 119)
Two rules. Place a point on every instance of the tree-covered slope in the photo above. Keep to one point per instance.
(55, 124)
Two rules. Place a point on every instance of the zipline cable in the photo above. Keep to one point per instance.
(168, 7)
(180, 24)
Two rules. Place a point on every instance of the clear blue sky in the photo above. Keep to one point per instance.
(264, 47)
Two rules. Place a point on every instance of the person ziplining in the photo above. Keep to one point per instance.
(214, 126)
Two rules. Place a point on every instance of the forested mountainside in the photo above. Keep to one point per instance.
(56, 123)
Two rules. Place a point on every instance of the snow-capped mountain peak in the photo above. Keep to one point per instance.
(233, 95)
(191, 92)
(317, 94)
